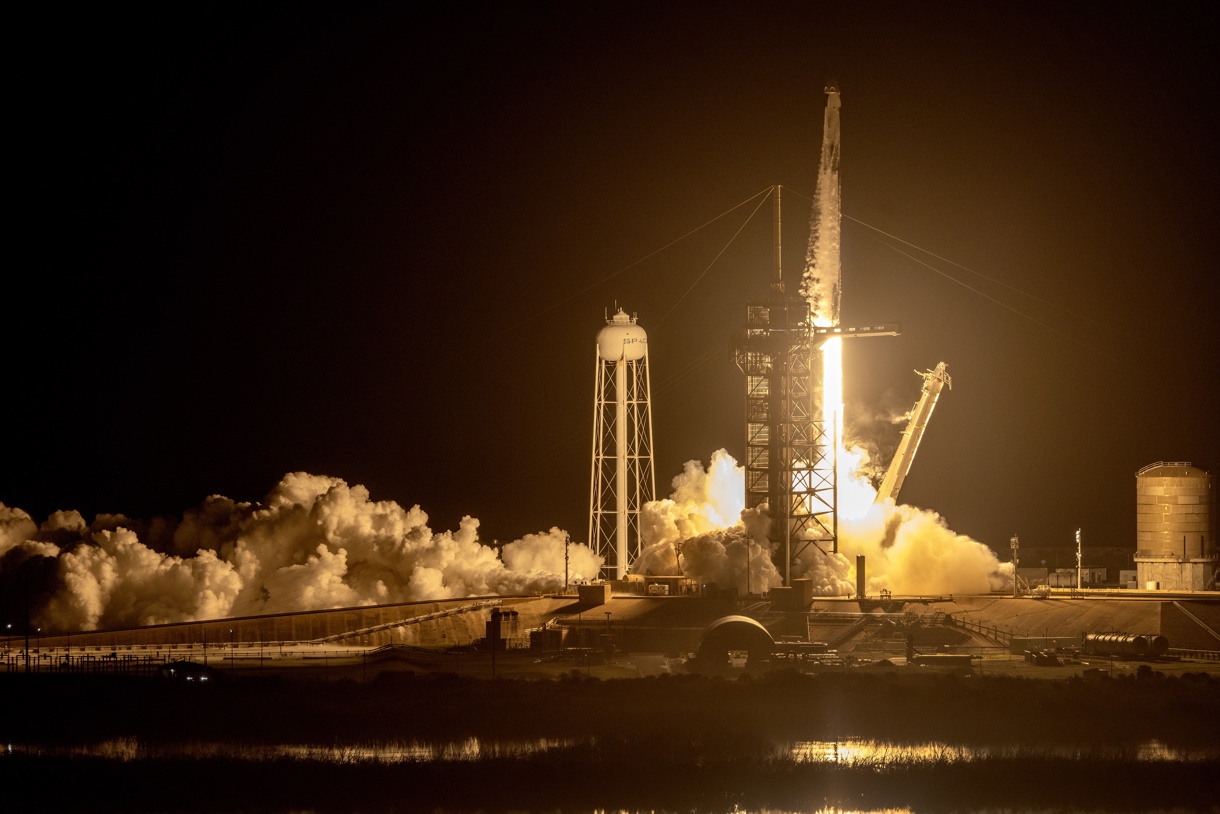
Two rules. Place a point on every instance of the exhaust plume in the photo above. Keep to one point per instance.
(313, 543)
(908, 550)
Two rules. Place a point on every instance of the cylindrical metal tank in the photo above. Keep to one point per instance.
(1175, 509)
(622, 339)
(1126, 645)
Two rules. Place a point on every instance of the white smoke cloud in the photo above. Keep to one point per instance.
(16, 526)
(316, 542)
(118, 580)
(702, 532)
(313, 543)
(913, 551)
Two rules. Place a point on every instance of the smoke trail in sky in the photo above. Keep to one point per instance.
(820, 283)
(313, 543)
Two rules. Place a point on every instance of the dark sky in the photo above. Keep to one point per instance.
(377, 242)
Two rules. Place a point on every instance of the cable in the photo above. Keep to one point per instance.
(633, 264)
(1004, 305)
(979, 274)
(714, 259)
(950, 277)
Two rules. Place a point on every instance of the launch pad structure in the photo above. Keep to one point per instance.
(790, 450)
(792, 443)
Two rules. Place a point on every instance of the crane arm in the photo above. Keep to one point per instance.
(933, 382)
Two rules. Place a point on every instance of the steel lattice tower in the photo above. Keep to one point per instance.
(790, 449)
(791, 444)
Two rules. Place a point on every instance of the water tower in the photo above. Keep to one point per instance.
(623, 476)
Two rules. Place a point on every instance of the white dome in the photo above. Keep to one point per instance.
(622, 339)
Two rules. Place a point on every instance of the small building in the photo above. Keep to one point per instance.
(667, 585)
(593, 593)
(1066, 577)
(504, 631)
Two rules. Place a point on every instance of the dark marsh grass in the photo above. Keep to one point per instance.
(680, 743)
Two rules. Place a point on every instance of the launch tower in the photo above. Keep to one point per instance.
(790, 451)
(623, 477)
(793, 425)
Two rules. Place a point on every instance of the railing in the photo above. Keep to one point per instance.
(1199, 655)
(992, 632)
(1161, 463)
(410, 620)
(114, 664)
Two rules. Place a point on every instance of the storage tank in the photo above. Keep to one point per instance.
(1175, 527)
(1126, 645)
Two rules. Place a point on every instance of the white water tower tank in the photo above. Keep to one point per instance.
(622, 340)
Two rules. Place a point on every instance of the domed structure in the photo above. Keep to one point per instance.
(739, 634)
(1175, 527)
(622, 339)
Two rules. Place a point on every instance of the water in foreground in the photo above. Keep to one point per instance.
(780, 743)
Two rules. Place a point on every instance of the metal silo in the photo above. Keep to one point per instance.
(1175, 527)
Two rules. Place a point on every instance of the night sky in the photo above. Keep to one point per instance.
(377, 241)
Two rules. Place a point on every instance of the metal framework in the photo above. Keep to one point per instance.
(623, 477)
(917, 422)
(790, 449)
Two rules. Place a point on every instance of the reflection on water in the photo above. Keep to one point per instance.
(736, 810)
(881, 753)
(392, 752)
(847, 752)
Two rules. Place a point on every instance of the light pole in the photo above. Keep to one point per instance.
(1078, 586)
(1015, 544)
(748, 553)
(230, 647)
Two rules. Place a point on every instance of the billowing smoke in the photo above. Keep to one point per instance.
(878, 431)
(313, 543)
(909, 551)
(704, 532)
